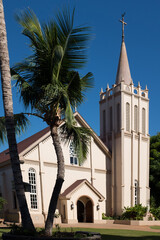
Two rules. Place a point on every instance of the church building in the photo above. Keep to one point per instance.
(115, 174)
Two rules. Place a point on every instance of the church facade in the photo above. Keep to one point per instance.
(115, 174)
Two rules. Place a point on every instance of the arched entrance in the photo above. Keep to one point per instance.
(84, 209)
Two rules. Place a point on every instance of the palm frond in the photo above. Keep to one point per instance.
(21, 124)
(3, 132)
(48, 79)
(80, 138)
(31, 25)
(73, 40)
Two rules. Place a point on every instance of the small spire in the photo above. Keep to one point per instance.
(107, 86)
(123, 23)
(146, 88)
(131, 82)
(139, 85)
(101, 91)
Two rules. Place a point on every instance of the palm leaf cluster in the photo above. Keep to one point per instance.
(21, 123)
(48, 80)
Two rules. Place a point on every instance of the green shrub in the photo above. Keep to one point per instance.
(104, 217)
(134, 213)
(156, 212)
(2, 202)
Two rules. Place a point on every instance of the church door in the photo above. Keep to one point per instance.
(80, 211)
(89, 211)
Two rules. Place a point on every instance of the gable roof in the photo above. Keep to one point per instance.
(77, 184)
(97, 139)
(5, 156)
(27, 144)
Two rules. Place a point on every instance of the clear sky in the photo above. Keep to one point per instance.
(142, 38)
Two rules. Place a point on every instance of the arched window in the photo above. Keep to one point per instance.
(135, 118)
(127, 117)
(33, 193)
(73, 155)
(118, 118)
(143, 121)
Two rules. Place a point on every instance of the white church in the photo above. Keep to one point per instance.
(115, 174)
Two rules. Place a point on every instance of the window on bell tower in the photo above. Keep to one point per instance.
(110, 120)
(104, 124)
(127, 117)
(143, 121)
(118, 117)
(136, 118)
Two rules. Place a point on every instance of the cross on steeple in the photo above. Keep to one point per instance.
(123, 23)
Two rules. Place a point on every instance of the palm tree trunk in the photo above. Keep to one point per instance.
(59, 181)
(8, 108)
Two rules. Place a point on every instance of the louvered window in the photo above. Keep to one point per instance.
(135, 118)
(118, 118)
(127, 117)
(104, 124)
(110, 113)
(143, 121)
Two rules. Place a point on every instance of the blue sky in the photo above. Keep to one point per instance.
(142, 38)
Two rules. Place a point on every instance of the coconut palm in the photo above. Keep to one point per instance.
(8, 108)
(49, 83)
(21, 123)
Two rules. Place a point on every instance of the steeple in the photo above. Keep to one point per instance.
(123, 71)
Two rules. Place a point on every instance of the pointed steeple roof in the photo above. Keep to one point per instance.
(123, 71)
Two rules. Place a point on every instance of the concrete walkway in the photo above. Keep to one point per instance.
(110, 226)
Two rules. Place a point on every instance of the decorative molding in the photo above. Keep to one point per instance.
(35, 162)
(127, 134)
(46, 139)
(145, 138)
(100, 170)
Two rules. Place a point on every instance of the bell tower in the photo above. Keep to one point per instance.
(124, 128)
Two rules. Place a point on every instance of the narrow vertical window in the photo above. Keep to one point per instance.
(14, 200)
(110, 114)
(118, 118)
(143, 121)
(73, 155)
(136, 192)
(127, 117)
(136, 118)
(104, 124)
(33, 193)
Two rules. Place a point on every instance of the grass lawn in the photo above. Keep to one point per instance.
(113, 234)
(121, 234)
(155, 227)
(3, 230)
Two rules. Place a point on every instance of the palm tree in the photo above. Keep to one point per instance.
(8, 108)
(50, 84)
(21, 123)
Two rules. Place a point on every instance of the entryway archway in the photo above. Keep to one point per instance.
(84, 209)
